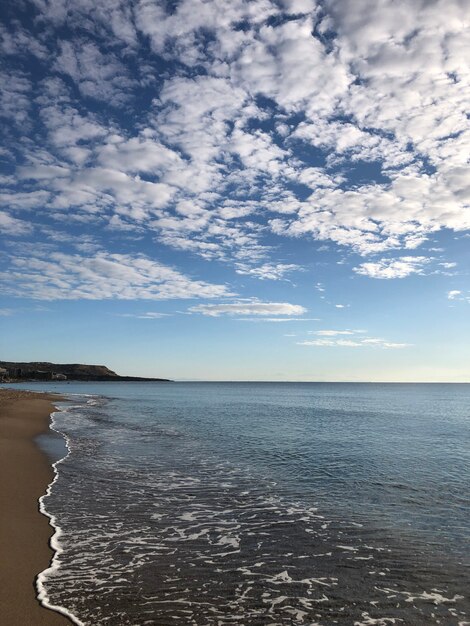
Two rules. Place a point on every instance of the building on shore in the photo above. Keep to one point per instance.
(17, 373)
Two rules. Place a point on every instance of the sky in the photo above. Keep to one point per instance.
(237, 190)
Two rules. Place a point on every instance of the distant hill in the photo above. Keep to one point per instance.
(63, 371)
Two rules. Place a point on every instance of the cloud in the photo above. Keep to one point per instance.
(343, 122)
(249, 308)
(15, 41)
(332, 333)
(371, 342)
(393, 268)
(314, 84)
(267, 271)
(143, 153)
(456, 294)
(13, 226)
(277, 320)
(335, 338)
(372, 217)
(15, 104)
(26, 200)
(97, 75)
(59, 276)
(350, 343)
(150, 315)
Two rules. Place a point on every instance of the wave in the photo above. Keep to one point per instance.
(54, 542)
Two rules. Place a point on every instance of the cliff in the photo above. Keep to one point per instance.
(60, 371)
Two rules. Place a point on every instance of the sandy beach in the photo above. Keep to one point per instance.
(24, 533)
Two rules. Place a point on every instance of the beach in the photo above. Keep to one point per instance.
(25, 474)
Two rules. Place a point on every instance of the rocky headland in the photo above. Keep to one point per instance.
(18, 372)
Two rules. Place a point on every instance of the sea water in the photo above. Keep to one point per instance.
(261, 503)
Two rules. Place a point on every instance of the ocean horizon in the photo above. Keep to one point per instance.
(259, 503)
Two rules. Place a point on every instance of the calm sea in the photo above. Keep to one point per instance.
(262, 503)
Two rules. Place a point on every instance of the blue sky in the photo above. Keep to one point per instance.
(263, 190)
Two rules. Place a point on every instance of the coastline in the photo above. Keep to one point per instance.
(24, 531)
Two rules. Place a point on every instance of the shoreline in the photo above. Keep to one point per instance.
(25, 532)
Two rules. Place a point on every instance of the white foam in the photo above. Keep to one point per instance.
(434, 596)
(277, 600)
(230, 541)
(367, 620)
(282, 577)
(55, 539)
(189, 516)
(316, 581)
(298, 614)
(350, 548)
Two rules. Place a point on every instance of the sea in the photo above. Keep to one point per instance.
(307, 504)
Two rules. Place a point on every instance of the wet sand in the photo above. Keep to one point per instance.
(25, 473)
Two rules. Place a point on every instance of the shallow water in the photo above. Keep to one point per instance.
(260, 503)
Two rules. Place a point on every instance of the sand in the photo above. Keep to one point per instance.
(25, 473)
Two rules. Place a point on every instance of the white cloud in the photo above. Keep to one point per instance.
(150, 315)
(458, 295)
(290, 66)
(59, 276)
(332, 333)
(448, 265)
(97, 75)
(25, 200)
(375, 217)
(356, 339)
(178, 31)
(350, 343)
(193, 115)
(267, 271)
(299, 6)
(15, 40)
(15, 103)
(277, 320)
(13, 226)
(381, 89)
(393, 268)
(370, 342)
(249, 308)
(68, 127)
(137, 154)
